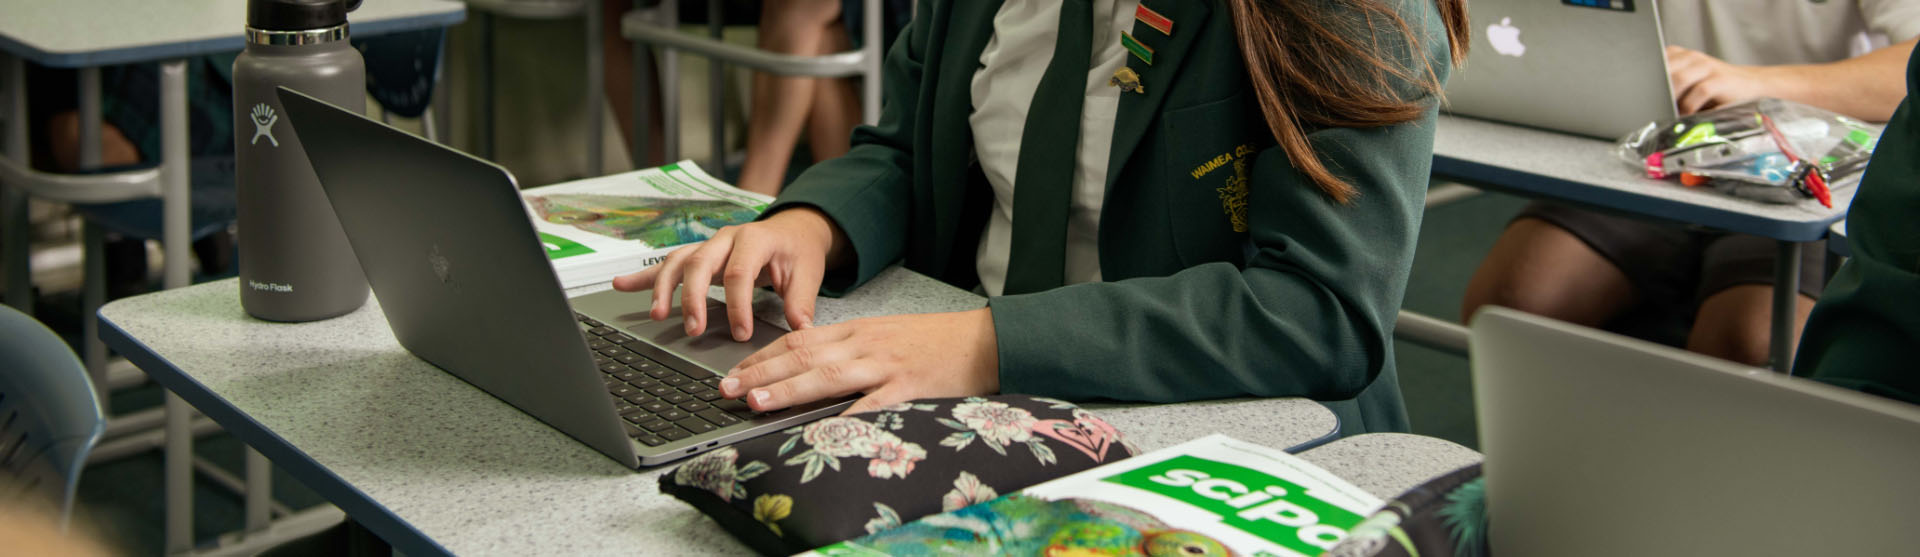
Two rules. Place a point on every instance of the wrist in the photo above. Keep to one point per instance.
(1792, 83)
(817, 228)
(986, 348)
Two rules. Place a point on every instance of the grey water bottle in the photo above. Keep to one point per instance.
(295, 262)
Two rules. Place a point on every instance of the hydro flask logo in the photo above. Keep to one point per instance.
(263, 119)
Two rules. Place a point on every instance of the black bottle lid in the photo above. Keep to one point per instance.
(298, 15)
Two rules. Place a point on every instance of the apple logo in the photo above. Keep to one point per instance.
(441, 266)
(1505, 38)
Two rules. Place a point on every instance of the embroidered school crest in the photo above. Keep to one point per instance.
(1233, 196)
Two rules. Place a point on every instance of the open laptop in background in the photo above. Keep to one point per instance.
(1597, 444)
(450, 251)
(1596, 68)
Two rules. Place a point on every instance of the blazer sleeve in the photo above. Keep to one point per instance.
(1310, 315)
(1866, 321)
(868, 191)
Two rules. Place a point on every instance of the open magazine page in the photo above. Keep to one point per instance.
(598, 228)
(1211, 496)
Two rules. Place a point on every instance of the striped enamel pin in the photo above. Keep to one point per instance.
(1141, 51)
(1154, 19)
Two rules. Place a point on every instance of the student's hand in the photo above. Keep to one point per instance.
(1702, 82)
(892, 359)
(788, 251)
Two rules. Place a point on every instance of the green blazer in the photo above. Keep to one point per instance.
(1226, 272)
(1860, 332)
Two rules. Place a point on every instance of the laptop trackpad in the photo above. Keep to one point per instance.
(715, 348)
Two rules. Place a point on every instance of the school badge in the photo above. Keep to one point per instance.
(1127, 80)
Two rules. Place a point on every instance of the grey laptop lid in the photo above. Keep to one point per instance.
(1598, 444)
(447, 246)
(1589, 67)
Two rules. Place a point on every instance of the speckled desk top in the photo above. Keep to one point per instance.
(477, 476)
(1536, 154)
(1388, 464)
(74, 33)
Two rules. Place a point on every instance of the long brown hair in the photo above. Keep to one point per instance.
(1322, 63)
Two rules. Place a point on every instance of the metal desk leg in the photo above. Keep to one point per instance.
(483, 144)
(13, 198)
(596, 80)
(174, 232)
(93, 286)
(670, 89)
(174, 213)
(870, 82)
(259, 492)
(643, 93)
(93, 294)
(178, 457)
(1786, 294)
(90, 118)
(717, 91)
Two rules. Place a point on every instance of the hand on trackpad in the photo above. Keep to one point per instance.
(715, 348)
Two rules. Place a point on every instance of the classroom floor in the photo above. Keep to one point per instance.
(123, 501)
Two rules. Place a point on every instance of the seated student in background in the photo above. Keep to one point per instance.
(1164, 200)
(130, 135)
(784, 109)
(1602, 270)
(1862, 333)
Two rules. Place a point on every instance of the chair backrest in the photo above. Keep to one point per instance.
(49, 416)
(402, 69)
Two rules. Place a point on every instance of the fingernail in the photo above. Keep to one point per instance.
(653, 307)
(730, 387)
(690, 324)
(740, 333)
(760, 396)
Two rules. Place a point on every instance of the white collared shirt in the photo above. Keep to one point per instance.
(1015, 58)
(1787, 32)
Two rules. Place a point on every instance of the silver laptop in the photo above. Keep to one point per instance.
(1598, 444)
(451, 254)
(1589, 67)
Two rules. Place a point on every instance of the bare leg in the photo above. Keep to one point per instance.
(1736, 324)
(836, 104)
(780, 104)
(617, 58)
(1542, 269)
(63, 142)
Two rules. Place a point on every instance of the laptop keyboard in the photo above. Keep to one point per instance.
(659, 404)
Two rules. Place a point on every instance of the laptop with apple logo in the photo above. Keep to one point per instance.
(1596, 68)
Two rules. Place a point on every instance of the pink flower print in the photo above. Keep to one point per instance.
(713, 472)
(1091, 435)
(893, 458)
(967, 490)
(842, 437)
(996, 422)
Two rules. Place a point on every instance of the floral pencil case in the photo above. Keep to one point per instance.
(848, 476)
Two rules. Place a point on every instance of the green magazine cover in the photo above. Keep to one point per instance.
(599, 228)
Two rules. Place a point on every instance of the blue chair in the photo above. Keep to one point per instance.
(49, 418)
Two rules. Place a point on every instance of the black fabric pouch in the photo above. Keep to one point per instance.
(847, 476)
(1445, 517)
